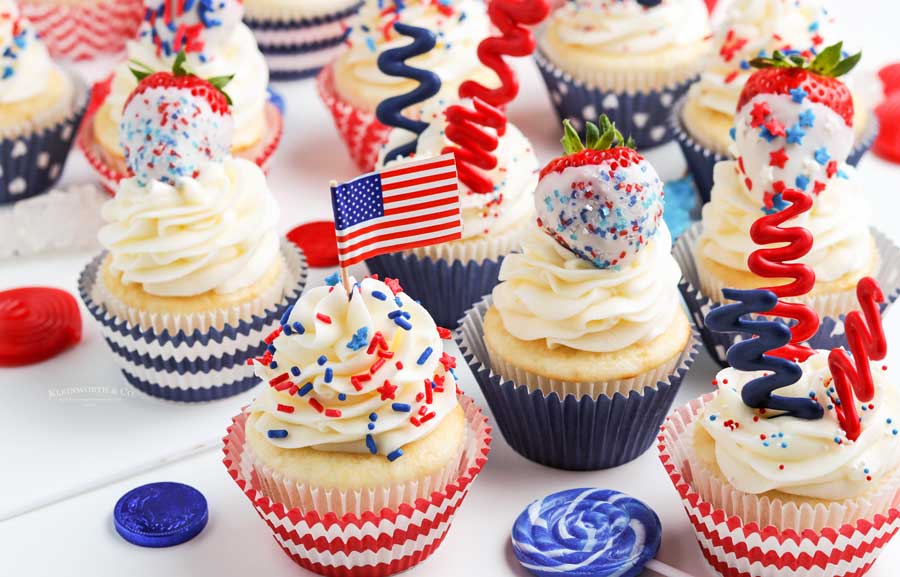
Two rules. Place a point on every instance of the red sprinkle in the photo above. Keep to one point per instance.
(429, 395)
(285, 408)
(333, 413)
(279, 379)
(324, 318)
(314, 403)
(375, 366)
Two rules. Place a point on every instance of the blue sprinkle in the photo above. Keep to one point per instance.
(299, 328)
(371, 426)
(807, 118)
(287, 315)
(322, 360)
(765, 443)
(277, 433)
(286, 329)
(837, 440)
(889, 421)
(395, 455)
(821, 155)
(342, 396)
(732, 132)
(784, 445)
(370, 443)
(379, 295)
(424, 356)
(271, 348)
(360, 339)
(403, 323)
(273, 365)
(295, 371)
(373, 416)
(305, 389)
(712, 417)
(798, 95)
(399, 302)
(795, 134)
(802, 182)
(401, 407)
(333, 279)
(395, 314)
(329, 375)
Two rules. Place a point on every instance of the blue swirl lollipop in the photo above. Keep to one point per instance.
(393, 63)
(588, 533)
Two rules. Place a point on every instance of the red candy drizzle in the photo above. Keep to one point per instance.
(865, 336)
(475, 146)
(770, 263)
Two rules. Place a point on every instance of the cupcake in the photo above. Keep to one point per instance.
(630, 60)
(299, 38)
(193, 276)
(41, 105)
(450, 277)
(220, 45)
(353, 85)
(793, 130)
(583, 345)
(805, 480)
(702, 121)
(360, 440)
(84, 29)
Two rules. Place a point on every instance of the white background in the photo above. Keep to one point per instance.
(54, 439)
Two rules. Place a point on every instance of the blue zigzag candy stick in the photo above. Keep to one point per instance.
(751, 354)
(393, 63)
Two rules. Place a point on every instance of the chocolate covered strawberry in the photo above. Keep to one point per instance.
(601, 200)
(794, 124)
(173, 123)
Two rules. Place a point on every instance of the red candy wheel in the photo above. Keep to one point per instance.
(36, 323)
(890, 78)
(887, 145)
(318, 242)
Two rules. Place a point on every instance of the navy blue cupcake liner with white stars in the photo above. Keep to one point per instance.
(642, 115)
(297, 48)
(446, 288)
(199, 366)
(579, 434)
(702, 161)
(32, 162)
(831, 330)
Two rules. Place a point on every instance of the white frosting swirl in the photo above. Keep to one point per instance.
(215, 232)
(240, 56)
(616, 26)
(806, 458)
(838, 222)
(751, 27)
(329, 345)
(515, 176)
(459, 25)
(547, 292)
(24, 61)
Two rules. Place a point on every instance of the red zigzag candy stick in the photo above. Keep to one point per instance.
(770, 263)
(865, 336)
(466, 127)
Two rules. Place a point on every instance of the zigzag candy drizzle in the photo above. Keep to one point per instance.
(755, 354)
(865, 336)
(393, 63)
(474, 151)
(770, 263)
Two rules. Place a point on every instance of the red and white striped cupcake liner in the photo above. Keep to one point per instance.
(736, 549)
(85, 30)
(373, 544)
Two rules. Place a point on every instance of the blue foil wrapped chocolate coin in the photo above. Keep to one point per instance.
(586, 532)
(161, 514)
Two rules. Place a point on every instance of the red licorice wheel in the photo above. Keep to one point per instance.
(890, 78)
(36, 323)
(318, 242)
(887, 145)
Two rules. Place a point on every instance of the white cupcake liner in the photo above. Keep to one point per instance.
(736, 546)
(372, 542)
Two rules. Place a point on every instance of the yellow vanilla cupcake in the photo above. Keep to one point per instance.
(355, 400)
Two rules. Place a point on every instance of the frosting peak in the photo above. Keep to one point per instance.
(24, 60)
(364, 374)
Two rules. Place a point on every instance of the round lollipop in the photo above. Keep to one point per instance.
(589, 533)
(36, 323)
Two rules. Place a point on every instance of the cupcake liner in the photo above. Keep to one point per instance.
(448, 278)
(111, 173)
(735, 547)
(298, 48)
(831, 328)
(187, 357)
(700, 160)
(32, 158)
(864, 142)
(360, 130)
(371, 543)
(590, 432)
(643, 115)
(84, 30)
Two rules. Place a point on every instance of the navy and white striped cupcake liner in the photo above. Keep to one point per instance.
(581, 434)
(300, 48)
(642, 115)
(32, 162)
(191, 367)
(831, 330)
(701, 160)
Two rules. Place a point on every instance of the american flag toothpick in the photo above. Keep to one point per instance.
(402, 207)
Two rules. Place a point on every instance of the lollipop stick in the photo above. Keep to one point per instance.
(665, 570)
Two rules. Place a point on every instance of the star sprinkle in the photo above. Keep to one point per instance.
(774, 127)
(359, 340)
(778, 158)
(795, 134)
(759, 113)
(807, 118)
(799, 95)
(821, 155)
